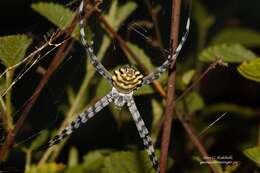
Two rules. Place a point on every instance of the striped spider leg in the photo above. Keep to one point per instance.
(124, 82)
(147, 79)
(143, 132)
(159, 70)
(93, 59)
(79, 120)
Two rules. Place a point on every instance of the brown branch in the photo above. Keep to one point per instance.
(123, 44)
(30, 102)
(167, 124)
(201, 149)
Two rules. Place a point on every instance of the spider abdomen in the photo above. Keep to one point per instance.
(126, 79)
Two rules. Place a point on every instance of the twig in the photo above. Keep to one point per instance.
(201, 149)
(213, 65)
(167, 125)
(30, 102)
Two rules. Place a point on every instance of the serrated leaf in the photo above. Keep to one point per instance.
(39, 140)
(246, 37)
(193, 101)
(46, 168)
(13, 48)
(128, 161)
(253, 154)
(250, 69)
(232, 53)
(55, 13)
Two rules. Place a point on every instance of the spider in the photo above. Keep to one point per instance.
(124, 82)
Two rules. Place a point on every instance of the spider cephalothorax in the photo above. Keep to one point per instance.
(126, 79)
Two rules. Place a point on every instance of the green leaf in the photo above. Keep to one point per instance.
(94, 160)
(46, 168)
(71, 95)
(183, 80)
(250, 69)
(253, 154)
(201, 15)
(231, 168)
(148, 89)
(115, 17)
(56, 13)
(157, 117)
(143, 57)
(246, 37)
(128, 161)
(193, 101)
(187, 76)
(204, 21)
(39, 140)
(229, 107)
(13, 48)
(232, 53)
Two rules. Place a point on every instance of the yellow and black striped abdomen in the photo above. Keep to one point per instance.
(126, 79)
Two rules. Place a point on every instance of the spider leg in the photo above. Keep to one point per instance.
(157, 73)
(80, 119)
(90, 52)
(144, 134)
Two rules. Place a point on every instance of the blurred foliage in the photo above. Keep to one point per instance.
(253, 154)
(233, 43)
(233, 53)
(250, 69)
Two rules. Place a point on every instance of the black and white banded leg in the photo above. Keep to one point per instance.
(143, 133)
(79, 120)
(157, 73)
(93, 59)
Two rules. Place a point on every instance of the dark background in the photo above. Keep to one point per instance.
(221, 85)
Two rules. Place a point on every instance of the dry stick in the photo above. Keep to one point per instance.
(54, 64)
(123, 44)
(195, 141)
(213, 65)
(167, 125)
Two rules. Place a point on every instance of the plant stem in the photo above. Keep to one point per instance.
(167, 125)
(213, 65)
(8, 101)
(30, 102)
(201, 149)
(28, 159)
(72, 111)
